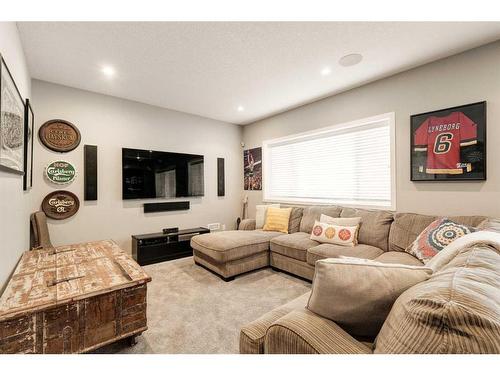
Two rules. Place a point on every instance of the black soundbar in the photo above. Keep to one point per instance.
(166, 206)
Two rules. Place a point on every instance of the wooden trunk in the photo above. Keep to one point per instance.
(72, 299)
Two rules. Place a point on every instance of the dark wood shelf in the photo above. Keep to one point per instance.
(159, 247)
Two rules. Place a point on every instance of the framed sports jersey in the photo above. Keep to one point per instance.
(449, 144)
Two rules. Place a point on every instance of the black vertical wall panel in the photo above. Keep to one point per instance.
(90, 172)
(221, 191)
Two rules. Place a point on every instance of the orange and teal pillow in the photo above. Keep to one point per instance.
(438, 234)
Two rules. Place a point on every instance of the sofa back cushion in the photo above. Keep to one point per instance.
(407, 226)
(374, 227)
(456, 310)
(295, 218)
(312, 213)
(357, 294)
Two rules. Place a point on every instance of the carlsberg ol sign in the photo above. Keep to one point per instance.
(60, 172)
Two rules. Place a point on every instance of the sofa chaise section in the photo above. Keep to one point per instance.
(230, 253)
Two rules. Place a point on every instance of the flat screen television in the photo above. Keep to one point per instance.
(156, 174)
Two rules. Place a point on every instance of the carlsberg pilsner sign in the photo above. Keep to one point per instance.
(60, 172)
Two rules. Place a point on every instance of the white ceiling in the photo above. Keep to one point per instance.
(209, 69)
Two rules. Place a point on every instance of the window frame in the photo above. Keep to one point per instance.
(360, 123)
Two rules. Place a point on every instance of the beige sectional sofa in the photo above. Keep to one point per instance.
(383, 236)
(455, 311)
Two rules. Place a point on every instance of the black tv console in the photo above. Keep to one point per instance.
(158, 247)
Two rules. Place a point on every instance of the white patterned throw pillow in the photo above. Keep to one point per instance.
(335, 234)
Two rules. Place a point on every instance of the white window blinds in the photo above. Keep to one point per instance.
(349, 164)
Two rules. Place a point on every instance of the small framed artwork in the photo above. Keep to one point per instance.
(11, 123)
(252, 169)
(449, 144)
(29, 120)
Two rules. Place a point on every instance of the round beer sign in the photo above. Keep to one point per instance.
(60, 172)
(60, 204)
(59, 135)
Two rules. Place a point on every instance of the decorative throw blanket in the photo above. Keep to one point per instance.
(449, 252)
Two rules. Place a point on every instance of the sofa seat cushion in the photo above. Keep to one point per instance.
(252, 334)
(334, 251)
(293, 245)
(397, 257)
(233, 244)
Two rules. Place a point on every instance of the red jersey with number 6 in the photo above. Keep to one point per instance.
(442, 138)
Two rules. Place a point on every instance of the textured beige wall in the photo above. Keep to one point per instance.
(14, 208)
(465, 78)
(112, 123)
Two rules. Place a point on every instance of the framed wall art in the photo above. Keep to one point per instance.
(29, 121)
(449, 144)
(252, 169)
(12, 112)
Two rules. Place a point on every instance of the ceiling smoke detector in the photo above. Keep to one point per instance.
(351, 59)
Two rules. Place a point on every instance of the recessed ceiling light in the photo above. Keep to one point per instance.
(108, 71)
(240, 108)
(351, 59)
(325, 71)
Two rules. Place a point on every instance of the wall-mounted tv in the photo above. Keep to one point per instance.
(156, 174)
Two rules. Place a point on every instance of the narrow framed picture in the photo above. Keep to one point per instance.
(449, 144)
(29, 121)
(252, 169)
(11, 123)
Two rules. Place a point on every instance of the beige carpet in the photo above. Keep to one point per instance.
(190, 310)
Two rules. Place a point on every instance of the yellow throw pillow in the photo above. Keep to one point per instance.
(277, 219)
